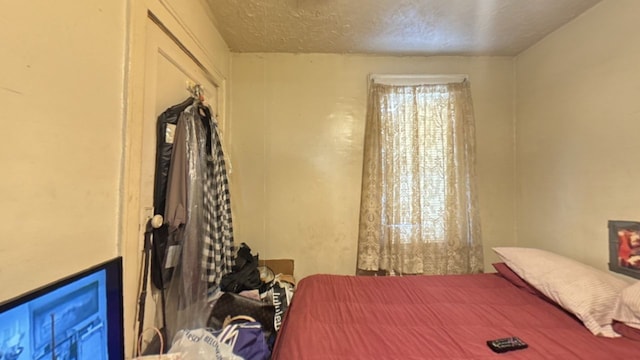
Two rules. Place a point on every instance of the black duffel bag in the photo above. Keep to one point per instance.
(244, 275)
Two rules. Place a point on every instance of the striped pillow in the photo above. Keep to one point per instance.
(588, 293)
(627, 308)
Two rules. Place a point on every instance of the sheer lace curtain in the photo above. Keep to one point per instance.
(418, 212)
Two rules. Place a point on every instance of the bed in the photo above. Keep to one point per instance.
(452, 316)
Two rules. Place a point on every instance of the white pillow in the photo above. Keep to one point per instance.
(627, 308)
(588, 293)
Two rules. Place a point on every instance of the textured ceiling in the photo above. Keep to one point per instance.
(398, 27)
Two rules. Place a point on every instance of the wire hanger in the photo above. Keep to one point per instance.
(196, 90)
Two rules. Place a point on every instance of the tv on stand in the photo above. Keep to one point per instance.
(79, 317)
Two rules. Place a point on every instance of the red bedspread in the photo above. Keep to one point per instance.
(432, 317)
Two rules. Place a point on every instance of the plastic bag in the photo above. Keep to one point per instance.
(161, 356)
(279, 294)
(201, 344)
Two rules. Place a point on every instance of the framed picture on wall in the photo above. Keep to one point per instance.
(624, 247)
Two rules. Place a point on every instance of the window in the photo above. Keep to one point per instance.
(418, 193)
(419, 146)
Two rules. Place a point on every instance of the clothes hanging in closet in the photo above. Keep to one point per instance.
(197, 217)
(162, 267)
(218, 258)
(198, 192)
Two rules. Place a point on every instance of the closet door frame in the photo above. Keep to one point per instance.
(140, 103)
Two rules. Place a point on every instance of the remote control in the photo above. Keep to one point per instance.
(506, 344)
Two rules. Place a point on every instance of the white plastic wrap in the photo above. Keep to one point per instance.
(186, 294)
(201, 344)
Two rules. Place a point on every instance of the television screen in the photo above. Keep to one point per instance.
(76, 318)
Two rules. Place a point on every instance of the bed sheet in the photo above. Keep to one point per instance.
(432, 317)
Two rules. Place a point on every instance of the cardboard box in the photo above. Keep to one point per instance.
(278, 266)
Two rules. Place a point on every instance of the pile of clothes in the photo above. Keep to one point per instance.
(252, 294)
(244, 315)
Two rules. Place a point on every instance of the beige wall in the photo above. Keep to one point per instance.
(61, 79)
(578, 115)
(70, 153)
(297, 124)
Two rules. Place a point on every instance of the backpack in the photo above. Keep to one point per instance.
(244, 275)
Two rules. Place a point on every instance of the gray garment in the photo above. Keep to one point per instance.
(187, 293)
(198, 214)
